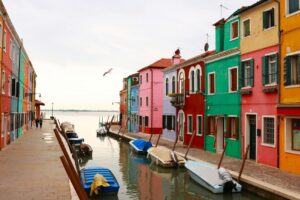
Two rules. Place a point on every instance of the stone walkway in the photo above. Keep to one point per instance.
(267, 178)
(31, 169)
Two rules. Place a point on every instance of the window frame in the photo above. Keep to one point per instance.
(288, 135)
(189, 116)
(198, 78)
(274, 19)
(4, 40)
(147, 78)
(287, 7)
(147, 101)
(209, 80)
(230, 80)
(263, 131)
(230, 135)
(290, 85)
(167, 86)
(173, 84)
(3, 77)
(197, 125)
(247, 19)
(231, 30)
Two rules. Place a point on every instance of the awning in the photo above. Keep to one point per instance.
(292, 111)
(38, 103)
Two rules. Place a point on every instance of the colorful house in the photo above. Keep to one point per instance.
(289, 96)
(169, 90)
(151, 96)
(259, 68)
(134, 103)
(190, 99)
(223, 100)
(123, 104)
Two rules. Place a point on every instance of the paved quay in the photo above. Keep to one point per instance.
(31, 169)
(270, 180)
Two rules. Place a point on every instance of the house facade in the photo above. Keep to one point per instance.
(151, 96)
(133, 103)
(289, 98)
(259, 81)
(223, 100)
(123, 104)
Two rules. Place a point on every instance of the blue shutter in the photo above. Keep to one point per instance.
(287, 71)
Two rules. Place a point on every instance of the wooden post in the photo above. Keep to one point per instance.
(119, 130)
(74, 155)
(150, 137)
(63, 148)
(190, 144)
(177, 135)
(157, 140)
(75, 182)
(243, 164)
(110, 123)
(221, 159)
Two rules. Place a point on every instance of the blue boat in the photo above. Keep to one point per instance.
(140, 146)
(87, 177)
(76, 141)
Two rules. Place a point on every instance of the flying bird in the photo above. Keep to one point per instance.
(108, 71)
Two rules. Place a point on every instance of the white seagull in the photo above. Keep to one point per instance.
(108, 71)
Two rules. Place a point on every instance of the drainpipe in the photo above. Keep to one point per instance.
(19, 88)
(151, 100)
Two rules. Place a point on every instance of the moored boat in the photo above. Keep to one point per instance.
(101, 130)
(209, 176)
(85, 150)
(140, 146)
(75, 141)
(87, 177)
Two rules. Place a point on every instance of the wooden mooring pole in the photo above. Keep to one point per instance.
(222, 156)
(157, 140)
(243, 164)
(190, 144)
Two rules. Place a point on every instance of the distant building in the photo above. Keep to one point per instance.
(133, 102)
(123, 104)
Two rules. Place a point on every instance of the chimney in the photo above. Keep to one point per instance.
(176, 58)
(219, 35)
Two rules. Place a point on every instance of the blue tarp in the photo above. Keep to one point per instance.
(142, 144)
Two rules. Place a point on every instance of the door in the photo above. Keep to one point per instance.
(143, 124)
(4, 130)
(181, 126)
(220, 134)
(252, 132)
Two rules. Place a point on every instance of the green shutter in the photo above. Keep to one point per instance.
(265, 20)
(252, 72)
(277, 67)
(263, 68)
(287, 70)
(242, 75)
(272, 17)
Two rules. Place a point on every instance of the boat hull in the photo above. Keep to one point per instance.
(138, 150)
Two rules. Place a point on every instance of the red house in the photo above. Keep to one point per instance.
(123, 104)
(189, 100)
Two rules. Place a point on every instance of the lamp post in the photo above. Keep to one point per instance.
(52, 111)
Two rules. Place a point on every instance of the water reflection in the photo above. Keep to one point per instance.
(137, 176)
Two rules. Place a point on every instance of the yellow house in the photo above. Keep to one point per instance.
(289, 96)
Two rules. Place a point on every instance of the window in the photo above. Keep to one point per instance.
(247, 73)
(169, 122)
(11, 49)
(146, 121)
(210, 126)
(199, 125)
(4, 41)
(192, 81)
(173, 85)
(234, 32)
(292, 70)
(132, 101)
(13, 87)
(147, 77)
(211, 83)
(269, 67)
(141, 79)
(164, 123)
(140, 120)
(268, 130)
(232, 130)
(233, 80)
(167, 86)
(293, 6)
(190, 124)
(268, 19)
(198, 84)
(9, 86)
(296, 134)
(146, 101)
(246, 25)
(3, 82)
(181, 83)
(140, 101)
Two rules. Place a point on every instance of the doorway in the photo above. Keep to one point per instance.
(251, 136)
(181, 120)
(220, 134)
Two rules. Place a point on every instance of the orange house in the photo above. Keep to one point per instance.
(289, 96)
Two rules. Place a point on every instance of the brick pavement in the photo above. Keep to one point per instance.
(267, 178)
(31, 169)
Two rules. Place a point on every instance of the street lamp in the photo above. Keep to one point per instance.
(52, 111)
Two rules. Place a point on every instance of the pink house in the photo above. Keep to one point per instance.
(151, 95)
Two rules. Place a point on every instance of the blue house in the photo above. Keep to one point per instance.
(134, 102)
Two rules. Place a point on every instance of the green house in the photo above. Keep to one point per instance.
(223, 100)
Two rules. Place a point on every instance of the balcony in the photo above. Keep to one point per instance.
(177, 100)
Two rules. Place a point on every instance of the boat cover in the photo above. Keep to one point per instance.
(164, 154)
(207, 172)
(87, 177)
(142, 144)
(99, 181)
(75, 140)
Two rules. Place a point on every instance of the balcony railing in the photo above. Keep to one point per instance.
(177, 100)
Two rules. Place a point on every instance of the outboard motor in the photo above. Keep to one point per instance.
(174, 159)
(229, 185)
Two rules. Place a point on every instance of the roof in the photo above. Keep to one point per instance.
(162, 63)
(38, 103)
(245, 8)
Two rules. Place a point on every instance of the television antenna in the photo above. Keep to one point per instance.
(221, 8)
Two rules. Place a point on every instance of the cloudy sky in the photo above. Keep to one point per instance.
(71, 43)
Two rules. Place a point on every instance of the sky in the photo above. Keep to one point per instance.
(71, 43)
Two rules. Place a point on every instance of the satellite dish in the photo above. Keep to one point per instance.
(206, 46)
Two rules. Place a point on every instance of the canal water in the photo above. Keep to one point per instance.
(138, 178)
